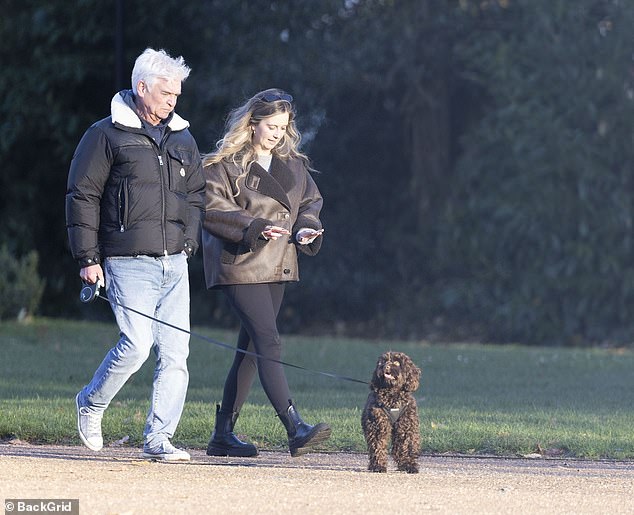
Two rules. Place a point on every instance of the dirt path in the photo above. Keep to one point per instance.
(117, 481)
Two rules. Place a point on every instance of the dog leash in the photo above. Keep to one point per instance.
(90, 292)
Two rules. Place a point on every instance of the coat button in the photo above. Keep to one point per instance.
(287, 271)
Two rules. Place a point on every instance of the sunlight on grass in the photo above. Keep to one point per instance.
(474, 399)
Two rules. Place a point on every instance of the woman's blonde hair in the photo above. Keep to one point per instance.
(236, 145)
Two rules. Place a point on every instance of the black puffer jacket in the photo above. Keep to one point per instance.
(129, 196)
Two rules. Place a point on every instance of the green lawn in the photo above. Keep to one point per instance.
(474, 399)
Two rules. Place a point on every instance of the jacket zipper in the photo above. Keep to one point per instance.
(163, 222)
(166, 135)
(123, 204)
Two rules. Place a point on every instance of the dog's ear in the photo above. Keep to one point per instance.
(375, 382)
(413, 375)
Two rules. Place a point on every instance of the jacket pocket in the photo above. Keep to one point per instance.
(122, 205)
(179, 164)
(233, 253)
(229, 253)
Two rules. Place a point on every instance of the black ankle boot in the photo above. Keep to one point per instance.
(223, 442)
(301, 436)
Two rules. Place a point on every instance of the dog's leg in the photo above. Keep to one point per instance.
(376, 429)
(406, 443)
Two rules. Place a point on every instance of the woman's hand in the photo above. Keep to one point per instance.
(307, 236)
(273, 232)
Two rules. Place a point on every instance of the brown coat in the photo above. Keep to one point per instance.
(234, 251)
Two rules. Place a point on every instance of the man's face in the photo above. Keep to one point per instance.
(157, 102)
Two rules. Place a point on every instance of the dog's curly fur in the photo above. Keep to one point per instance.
(393, 381)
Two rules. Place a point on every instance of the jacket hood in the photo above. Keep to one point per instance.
(123, 114)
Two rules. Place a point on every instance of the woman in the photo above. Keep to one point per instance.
(262, 206)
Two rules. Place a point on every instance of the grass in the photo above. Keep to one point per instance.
(474, 399)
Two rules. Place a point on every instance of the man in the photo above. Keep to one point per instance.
(133, 210)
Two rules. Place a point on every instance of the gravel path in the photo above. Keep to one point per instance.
(117, 481)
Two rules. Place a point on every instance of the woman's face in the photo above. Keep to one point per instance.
(268, 132)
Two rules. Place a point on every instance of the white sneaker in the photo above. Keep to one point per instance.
(89, 427)
(165, 451)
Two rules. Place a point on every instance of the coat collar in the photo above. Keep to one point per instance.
(282, 174)
(124, 115)
(275, 184)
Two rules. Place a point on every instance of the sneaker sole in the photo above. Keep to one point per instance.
(81, 435)
(164, 457)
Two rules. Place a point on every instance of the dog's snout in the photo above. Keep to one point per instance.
(391, 366)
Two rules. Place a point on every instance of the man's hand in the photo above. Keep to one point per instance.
(92, 274)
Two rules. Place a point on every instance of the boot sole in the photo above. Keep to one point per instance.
(321, 435)
(222, 451)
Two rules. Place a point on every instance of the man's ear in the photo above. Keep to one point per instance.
(141, 88)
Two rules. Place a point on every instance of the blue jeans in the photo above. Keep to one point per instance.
(158, 287)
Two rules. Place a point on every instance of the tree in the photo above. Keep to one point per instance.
(536, 244)
(475, 156)
(56, 61)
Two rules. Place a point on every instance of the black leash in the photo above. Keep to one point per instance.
(89, 292)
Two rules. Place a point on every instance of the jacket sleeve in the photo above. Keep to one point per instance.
(224, 218)
(308, 215)
(89, 171)
(195, 200)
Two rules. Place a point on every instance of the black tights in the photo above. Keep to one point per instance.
(257, 305)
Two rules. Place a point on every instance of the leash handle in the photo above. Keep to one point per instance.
(89, 292)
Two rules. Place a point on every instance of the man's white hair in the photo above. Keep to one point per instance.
(158, 64)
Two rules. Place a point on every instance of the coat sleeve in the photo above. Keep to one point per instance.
(195, 201)
(224, 218)
(308, 215)
(89, 171)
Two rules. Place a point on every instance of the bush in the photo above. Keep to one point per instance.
(21, 287)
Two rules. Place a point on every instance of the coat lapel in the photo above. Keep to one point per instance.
(275, 184)
(282, 174)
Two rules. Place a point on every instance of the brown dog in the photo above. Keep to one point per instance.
(391, 413)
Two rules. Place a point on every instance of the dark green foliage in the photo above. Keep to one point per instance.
(537, 243)
(56, 61)
(475, 156)
(21, 287)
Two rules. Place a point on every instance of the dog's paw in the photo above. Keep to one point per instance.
(410, 468)
(377, 468)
